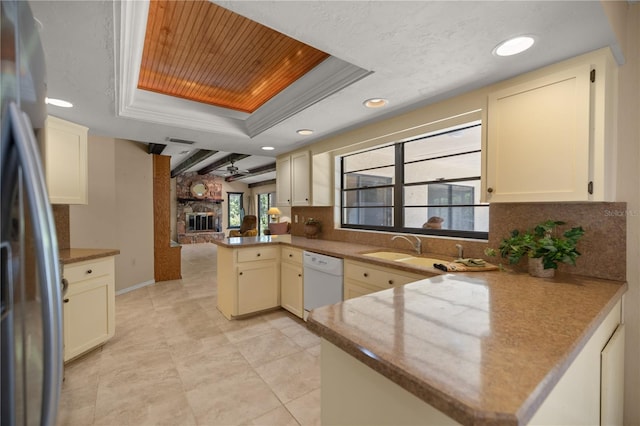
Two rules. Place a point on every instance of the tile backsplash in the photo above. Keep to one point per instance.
(61, 218)
(603, 246)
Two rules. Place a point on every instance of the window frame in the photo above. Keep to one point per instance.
(241, 209)
(399, 185)
(271, 201)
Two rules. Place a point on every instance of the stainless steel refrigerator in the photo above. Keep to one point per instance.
(31, 327)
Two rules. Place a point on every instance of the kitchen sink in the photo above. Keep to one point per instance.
(389, 255)
(404, 258)
(421, 261)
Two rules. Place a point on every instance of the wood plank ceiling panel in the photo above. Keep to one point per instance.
(200, 51)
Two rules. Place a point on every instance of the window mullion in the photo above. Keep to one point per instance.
(398, 192)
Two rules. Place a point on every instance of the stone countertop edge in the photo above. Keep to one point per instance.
(337, 249)
(445, 401)
(75, 255)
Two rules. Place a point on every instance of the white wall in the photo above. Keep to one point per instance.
(134, 200)
(94, 225)
(120, 210)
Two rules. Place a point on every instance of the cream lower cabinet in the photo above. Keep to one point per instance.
(291, 284)
(248, 280)
(363, 278)
(89, 305)
(64, 152)
(591, 390)
(353, 393)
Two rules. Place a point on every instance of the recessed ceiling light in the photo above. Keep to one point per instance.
(375, 103)
(513, 46)
(58, 102)
(268, 148)
(304, 132)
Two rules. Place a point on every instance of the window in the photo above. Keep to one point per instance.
(265, 201)
(426, 185)
(235, 210)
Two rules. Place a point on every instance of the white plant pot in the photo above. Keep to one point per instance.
(536, 268)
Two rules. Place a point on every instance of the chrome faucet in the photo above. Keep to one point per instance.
(417, 245)
(460, 251)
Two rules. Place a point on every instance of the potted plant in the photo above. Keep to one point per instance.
(312, 227)
(544, 248)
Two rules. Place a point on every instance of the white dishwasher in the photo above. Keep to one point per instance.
(322, 281)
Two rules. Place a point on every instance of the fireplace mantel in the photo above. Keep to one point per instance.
(202, 200)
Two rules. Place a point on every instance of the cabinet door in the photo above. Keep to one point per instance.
(283, 181)
(300, 179)
(353, 289)
(538, 139)
(258, 287)
(612, 379)
(291, 296)
(86, 315)
(65, 158)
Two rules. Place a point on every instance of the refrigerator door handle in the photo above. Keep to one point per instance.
(46, 251)
(7, 279)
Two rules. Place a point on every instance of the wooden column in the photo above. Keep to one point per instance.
(166, 257)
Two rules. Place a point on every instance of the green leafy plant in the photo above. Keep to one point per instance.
(542, 242)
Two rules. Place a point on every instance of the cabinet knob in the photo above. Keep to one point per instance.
(66, 300)
(240, 273)
(489, 190)
(306, 199)
(290, 255)
(299, 275)
(258, 254)
(365, 274)
(390, 282)
(89, 271)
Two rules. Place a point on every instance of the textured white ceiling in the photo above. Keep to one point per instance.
(420, 52)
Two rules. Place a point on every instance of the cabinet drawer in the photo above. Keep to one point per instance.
(290, 254)
(250, 254)
(88, 269)
(379, 277)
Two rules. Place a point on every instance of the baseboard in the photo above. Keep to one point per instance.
(135, 287)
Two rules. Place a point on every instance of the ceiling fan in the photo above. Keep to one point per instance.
(234, 170)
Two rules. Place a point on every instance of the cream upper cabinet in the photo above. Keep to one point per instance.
(300, 179)
(89, 305)
(293, 177)
(549, 138)
(64, 151)
(283, 181)
(303, 180)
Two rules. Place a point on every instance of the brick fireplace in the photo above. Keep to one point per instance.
(199, 208)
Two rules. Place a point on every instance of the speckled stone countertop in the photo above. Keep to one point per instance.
(483, 348)
(68, 256)
(335, 248)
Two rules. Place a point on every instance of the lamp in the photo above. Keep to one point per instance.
(274, 212)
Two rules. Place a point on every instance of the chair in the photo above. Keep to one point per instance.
(248, 228)
(278, 228)
(434, 222)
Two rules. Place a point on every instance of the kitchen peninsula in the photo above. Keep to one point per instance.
(476, 348)
(498, 348)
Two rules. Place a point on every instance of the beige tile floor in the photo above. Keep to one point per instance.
(175, 360)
